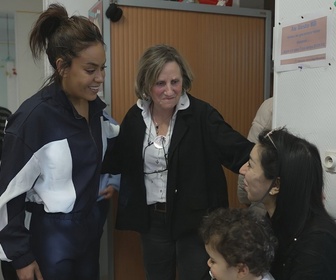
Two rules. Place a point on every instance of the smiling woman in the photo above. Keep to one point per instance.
(285, 174)
(48, 174)
(83, 79)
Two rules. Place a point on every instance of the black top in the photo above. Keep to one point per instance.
(310, 256)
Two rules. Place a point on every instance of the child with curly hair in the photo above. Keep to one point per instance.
(240, 244)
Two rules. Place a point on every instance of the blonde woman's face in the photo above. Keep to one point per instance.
(167, 90)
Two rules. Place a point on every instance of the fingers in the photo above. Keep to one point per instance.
(29, 272)
(108, 192)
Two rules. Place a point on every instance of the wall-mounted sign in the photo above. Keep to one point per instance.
(303, 42)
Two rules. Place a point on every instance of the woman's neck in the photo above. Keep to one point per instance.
(270, 206)
(161, 119)
(161, 115)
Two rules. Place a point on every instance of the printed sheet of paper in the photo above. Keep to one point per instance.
(303, 43)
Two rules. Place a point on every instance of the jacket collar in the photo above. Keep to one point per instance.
(58, 96)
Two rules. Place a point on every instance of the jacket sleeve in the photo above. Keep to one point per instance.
(109, 179)
(110, 130)
(19, 171)
(114, 156)
(231, 147)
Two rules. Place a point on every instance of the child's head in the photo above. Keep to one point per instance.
(238, 242)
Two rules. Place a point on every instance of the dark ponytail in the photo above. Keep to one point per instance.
(62, 37)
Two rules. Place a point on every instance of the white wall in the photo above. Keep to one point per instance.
(78, 7)
(21, 5)
(305, 100)
(7, 54)
(29, 75)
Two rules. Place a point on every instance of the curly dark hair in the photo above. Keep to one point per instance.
(241, 237)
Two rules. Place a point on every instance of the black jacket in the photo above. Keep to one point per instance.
(201, 143)
(309, 256)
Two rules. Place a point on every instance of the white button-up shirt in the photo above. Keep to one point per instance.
(155, 152)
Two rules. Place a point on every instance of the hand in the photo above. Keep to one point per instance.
(30, 272)
(108, 192)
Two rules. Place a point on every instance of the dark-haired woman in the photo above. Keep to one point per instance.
(52, 156)
(285, 174)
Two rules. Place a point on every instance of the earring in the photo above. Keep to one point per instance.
(145, 97)
(274, 191)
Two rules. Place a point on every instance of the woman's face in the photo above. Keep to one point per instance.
(84, 77)
(167, 90)
(256, 184)
(220, 270)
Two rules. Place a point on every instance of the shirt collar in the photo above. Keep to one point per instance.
(144, 105)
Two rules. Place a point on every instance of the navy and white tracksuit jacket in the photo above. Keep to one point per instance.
(51, 156)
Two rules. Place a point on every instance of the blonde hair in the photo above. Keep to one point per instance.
(151, 64)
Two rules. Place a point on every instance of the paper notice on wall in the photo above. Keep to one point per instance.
(303, 42)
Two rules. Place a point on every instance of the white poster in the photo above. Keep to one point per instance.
(303, 42)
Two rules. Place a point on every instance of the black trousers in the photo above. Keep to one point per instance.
(164, 256)
(8, 271)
